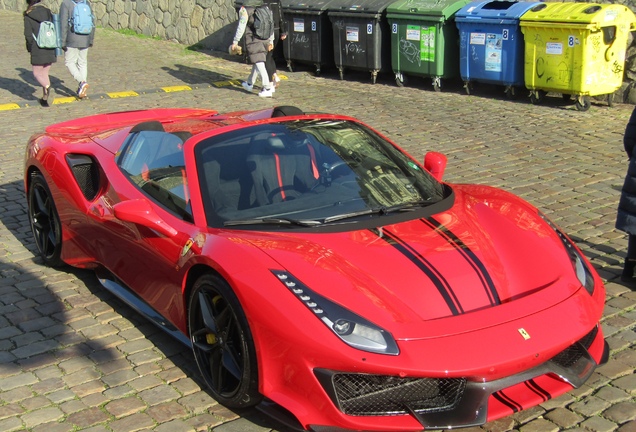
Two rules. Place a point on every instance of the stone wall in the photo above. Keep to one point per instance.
(211, 24)
(208, 23)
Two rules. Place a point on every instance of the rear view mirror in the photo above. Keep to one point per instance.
(435, 163)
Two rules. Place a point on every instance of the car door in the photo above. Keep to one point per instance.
(149, 180)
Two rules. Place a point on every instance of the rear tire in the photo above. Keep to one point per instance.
(45, 221)
(222, 343)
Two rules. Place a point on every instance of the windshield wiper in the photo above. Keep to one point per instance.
(410, 206)
(273, 221)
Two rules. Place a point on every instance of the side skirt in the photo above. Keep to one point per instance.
(134, 301)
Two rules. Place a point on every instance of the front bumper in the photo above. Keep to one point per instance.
(442, 403)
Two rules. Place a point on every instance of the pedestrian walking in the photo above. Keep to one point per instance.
(626, 218)
(78, 32)
(280, 33)
(41, 58)
(257, 46)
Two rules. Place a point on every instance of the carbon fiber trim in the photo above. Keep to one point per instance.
(444, 403)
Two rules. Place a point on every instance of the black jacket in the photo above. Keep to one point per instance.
(626, 218)
(32, 20)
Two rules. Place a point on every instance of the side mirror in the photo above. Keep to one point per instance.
(140, 212)
(435, 163)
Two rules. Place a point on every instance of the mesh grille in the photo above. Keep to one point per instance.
(571, 354)
(87, 179)
(373, 395)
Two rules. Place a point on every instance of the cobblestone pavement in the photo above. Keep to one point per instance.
(72, 357)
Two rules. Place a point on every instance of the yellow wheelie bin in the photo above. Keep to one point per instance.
(576, 49)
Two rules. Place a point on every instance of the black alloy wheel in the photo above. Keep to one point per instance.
(45, 222)
(222, 343)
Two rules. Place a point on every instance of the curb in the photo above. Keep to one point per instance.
(120, 94)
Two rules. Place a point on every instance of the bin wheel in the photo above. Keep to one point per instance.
(610, 100)
(317, 70)
(289, 66)
(400, 79)
(513, 92)
(583, 103)
(537, 96)
(374, 76)
(341, 71)
(468, 86)
(437, 84)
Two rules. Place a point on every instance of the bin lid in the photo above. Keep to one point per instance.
(359, 6)
(602, 15)
(493, 9)
(311, 5)
(433, 8)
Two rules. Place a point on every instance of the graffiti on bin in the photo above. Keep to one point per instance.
(300, 39)
(410, 51)
(352, 49)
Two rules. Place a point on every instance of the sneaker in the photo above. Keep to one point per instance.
(247, 86)
(266, 93)
(82, 89)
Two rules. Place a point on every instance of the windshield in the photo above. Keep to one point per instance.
(307, 172)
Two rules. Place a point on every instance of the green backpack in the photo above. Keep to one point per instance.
(47, 37)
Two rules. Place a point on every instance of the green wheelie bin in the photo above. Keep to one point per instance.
(424, 39)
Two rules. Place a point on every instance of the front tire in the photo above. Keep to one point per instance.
(222, 343)
(45, 222)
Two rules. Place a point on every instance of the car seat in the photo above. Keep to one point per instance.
(281, 171)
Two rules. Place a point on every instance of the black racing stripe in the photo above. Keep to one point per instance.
(501, 397)
(471, 258)
(442, 285)
(533, 386)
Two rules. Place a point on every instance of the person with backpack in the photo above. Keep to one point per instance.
(280, 33)
(36, 18)
(257, 23)
(77, 27)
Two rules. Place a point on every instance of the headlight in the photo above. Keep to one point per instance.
(351, 328)
(583, 273)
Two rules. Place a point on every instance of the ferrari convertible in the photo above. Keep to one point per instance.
(315, 269)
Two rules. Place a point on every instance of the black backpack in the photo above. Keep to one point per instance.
(263, 22)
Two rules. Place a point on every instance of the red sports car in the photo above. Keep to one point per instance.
(318, 270)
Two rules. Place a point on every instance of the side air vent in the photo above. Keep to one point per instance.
(86, 172)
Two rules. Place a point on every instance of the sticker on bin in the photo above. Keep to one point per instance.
(554, 48)
(493, 53)
(610, 15)
(299, 26)
(478, 38)
(413, 33)
(427, 45)
(353, 34)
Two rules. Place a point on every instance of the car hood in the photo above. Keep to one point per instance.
(488, 259)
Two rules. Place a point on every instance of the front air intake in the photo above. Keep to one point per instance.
(381, 395)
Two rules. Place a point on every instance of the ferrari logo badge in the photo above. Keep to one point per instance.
(524, 334)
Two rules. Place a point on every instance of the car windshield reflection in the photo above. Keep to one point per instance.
(307, 173)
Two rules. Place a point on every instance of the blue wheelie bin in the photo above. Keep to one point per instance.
(491, 43)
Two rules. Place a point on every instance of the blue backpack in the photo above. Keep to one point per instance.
(82, 20)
